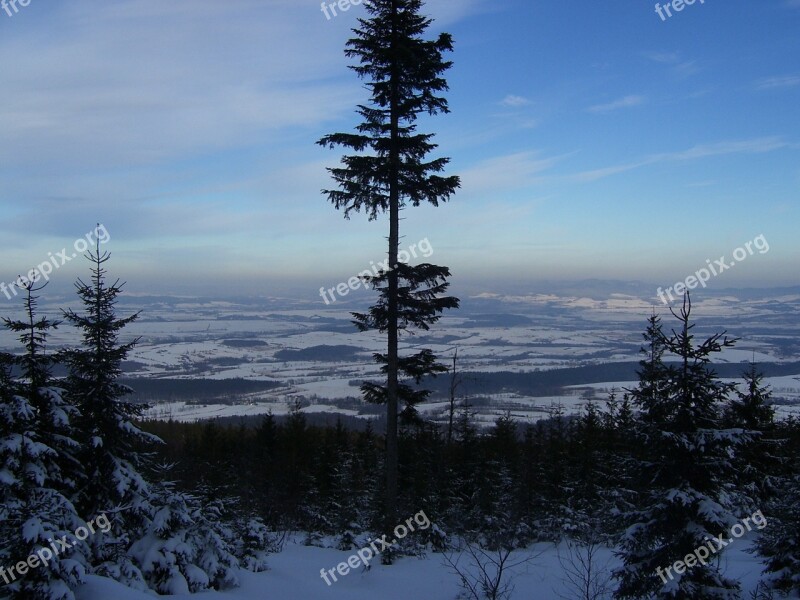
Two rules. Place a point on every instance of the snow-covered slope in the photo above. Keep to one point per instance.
(295, 574)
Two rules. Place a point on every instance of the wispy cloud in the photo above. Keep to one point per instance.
(506, 172)
(784, 81)
(679, 66)
(686, 68)
(668, 58)
(517, 112)
(135, 82)
(447, 12)
(754, 146)
(626, 102)
(513, 101)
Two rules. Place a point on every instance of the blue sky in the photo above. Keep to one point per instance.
(593, 139)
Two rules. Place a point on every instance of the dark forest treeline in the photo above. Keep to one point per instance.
(551, 382)
(547, 479)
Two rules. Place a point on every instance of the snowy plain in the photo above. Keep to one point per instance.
(275, 340)
(294, 574)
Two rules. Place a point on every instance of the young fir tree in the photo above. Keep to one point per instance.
(593, 500)
(634, 429)
(185, 548)
(501, 520)
(652, 371)
(111, 442)
(388, 172)
(623, 443)
(778, 543)
(751, 410)
(686, 498)
(55, 416)
(37, 468)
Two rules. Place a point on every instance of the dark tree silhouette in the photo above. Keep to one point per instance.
(387, 173)
(111, 442)
(38, 465)
(688, 466)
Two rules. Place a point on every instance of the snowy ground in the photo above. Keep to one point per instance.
(295, 573)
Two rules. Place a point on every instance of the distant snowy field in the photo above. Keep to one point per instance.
(524, 409)
(265, 340)
(295, 574)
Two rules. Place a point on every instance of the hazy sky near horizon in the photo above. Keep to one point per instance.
(593, 139)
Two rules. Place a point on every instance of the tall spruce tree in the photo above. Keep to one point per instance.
(111, 442)
(38, 468)
(688, 465)
(388, 172)
(55, 416)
